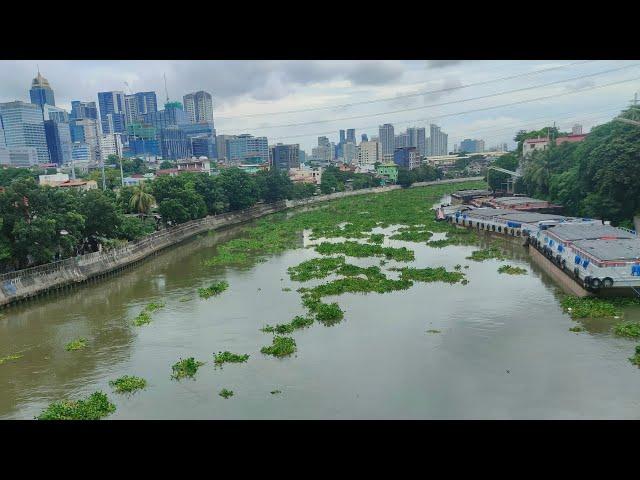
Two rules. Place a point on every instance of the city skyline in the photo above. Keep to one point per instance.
(297, 85)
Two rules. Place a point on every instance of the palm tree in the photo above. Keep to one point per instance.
(141, 200)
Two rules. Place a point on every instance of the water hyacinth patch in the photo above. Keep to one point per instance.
(128, 384)
(224, 393)
(228, 357)
(284, 328)
(589, 307)
(213, 289)
(9, 358)
(94, 407)
(315, 268)
(77, 344)
(487, 254)
(186, 368)
(376, 238)
(636, 358)
(280, 347)
(510, 270)
(152, 307)
(355, 249)
(627, 329)
(576, 329)
(439, 274)
(143, 318)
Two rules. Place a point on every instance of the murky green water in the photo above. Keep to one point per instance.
(504, 349)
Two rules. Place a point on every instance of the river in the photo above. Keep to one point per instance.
(503, 351)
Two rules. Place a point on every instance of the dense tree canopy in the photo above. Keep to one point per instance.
(598, 177)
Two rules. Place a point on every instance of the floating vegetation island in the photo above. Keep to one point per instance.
(510, 270)
(487, 254)
(221, 358)
(280, 347)
(76, 344)
(10, 357)
(94, 407)
(186, 368)
(224, 393)
(213, 289)
(128, 384)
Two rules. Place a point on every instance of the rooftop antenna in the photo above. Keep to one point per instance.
(165, 87)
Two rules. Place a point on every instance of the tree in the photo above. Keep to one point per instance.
(274, 185)
(101, 216)
(141, 200)
(508, 161)
(166, 164)
(239, 188)
(405, 179)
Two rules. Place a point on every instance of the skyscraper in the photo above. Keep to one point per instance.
(576, 129)
(139, 104)
(112, 112)
(438, 142)
(23, 127)
(198, 107)
(284, 157)
(85, 130)
(58, 135)
(41, 92)
(83, 110)
(364, 137)
(245, 147)
(472, 146)
(351, 135)
(387, 139)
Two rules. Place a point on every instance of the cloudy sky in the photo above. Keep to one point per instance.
(297, 101)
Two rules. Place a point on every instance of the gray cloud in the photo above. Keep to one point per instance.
(442, 63)
(375, 73)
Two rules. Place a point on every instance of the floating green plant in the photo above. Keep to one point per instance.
(284, 328)
(286, 289)
(439, 274)
(228, 357)
(487, 254)
(153, 306)
(77, 344)
(143, 318)
(275, 392)
(224, 393)
(329, 313)
(315, 268)
(355, 249)
(411, 235)
(510, 270)
(213, 289)
(95, 407)
(185, 368)
(433, 331)
(627, 329)
(589, 307)
(10, 357)
(128, 384)
(576, 329)
(376, 238)
(280, 347)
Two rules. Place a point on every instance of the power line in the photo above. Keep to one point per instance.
(410, 95)
(423, 107)
(418, 120)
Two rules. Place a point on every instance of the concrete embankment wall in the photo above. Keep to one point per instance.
(569, 285)
(32, 282)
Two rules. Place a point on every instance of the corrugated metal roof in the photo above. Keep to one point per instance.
(577, 231)
(622, 249)
(517, 200)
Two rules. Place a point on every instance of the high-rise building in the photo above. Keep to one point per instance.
(244, 147)
(174, 143)
(369, 152)
(110, 144)
(284, 157)
(86, 130)
(472, 146)
(351, 135)
(41, 92)
(80, 151)
(18, 156)
(173, 114)
(222, 146)
(56, 114)
(81, 110)
(23, 127)
(324, 152)
(438, 142)
(112, 112)
(387, 139)
(199, 107)
(364, 137)
(139, 104)
(402, 140)
(202, 137)
(417, 138)
(349, 153)
(576, 129)
(407, 157)
(58, 135)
